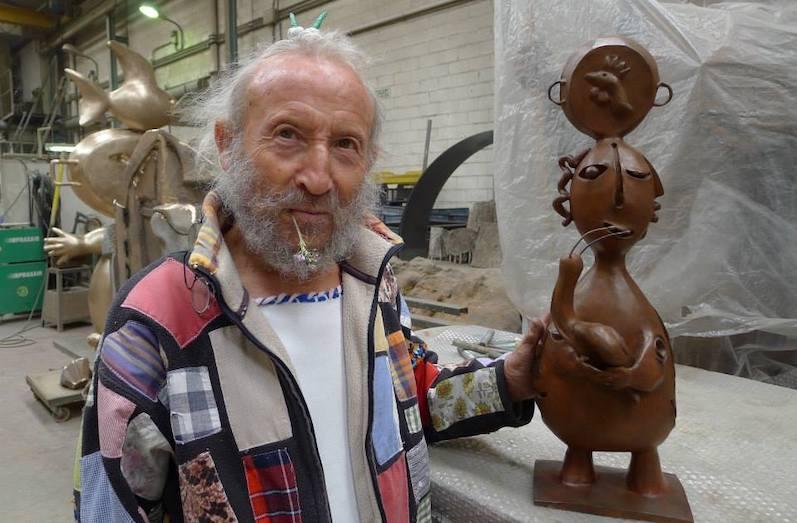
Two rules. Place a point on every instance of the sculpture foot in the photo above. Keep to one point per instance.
(644, 474)
(577, 469)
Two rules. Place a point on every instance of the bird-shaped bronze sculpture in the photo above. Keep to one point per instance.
(138, 103)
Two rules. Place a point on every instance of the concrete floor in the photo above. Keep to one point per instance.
(36, 452)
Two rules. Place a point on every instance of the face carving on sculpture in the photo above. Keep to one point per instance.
(614, 186)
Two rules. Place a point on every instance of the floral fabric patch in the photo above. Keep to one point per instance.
(464, 396)
(202, 493)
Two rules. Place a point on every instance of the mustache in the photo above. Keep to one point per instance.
(293, 197)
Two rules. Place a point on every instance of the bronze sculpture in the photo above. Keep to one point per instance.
(605, 374)
(141, 176)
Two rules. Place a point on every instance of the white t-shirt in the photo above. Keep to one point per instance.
(310, 327)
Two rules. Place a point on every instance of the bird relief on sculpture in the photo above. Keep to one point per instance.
(605, 373)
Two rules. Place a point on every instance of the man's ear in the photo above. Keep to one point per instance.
(223, 138)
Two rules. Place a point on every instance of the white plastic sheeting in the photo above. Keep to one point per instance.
(723, 258)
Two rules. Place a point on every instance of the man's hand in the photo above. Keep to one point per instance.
(518, 365)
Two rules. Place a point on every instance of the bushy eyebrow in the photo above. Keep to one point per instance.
(290, 117)
(283, 117)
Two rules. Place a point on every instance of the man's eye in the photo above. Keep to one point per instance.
(286, 133)
(347, 143)
(592, 171)
(637, 174)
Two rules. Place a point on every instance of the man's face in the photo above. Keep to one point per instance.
(302, 156)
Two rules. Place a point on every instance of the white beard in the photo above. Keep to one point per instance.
(257, 212)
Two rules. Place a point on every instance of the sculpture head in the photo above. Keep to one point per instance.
(612, 186)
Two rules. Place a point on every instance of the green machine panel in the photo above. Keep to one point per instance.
(20, 285)
(20, 244)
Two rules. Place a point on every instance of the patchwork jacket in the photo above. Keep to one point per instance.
(194, 410)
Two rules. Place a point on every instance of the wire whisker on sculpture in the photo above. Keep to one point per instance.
(596, 229)
(621, 233)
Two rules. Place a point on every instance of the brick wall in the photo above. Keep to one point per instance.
(438, 66)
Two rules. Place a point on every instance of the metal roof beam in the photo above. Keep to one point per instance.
(27, 17)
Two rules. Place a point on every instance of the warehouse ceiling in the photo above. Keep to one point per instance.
(21, 20)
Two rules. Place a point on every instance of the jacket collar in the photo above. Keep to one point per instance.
(375, 245)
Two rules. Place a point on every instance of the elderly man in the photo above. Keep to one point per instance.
(270, 374)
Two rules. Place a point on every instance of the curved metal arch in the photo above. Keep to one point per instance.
(415, 219)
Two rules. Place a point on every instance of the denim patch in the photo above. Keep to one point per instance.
(98, 501)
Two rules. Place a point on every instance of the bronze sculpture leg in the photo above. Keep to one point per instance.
(577, 468)
(644, 474)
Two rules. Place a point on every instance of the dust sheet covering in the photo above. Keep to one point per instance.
(721, 261)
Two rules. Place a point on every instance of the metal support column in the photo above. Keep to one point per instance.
(110, 34)
(232, 32)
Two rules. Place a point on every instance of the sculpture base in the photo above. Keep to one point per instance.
(609, 496)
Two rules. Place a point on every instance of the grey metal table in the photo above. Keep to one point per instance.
(734, 449)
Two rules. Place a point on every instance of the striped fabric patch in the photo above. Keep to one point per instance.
(307, 297)
(132, 353)
(424, 510)
(401, 366)
(114, 411)
(413, 417)
(418, 463)
(202, 493)
(271, 482)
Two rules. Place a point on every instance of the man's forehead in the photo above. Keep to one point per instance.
(290, 70)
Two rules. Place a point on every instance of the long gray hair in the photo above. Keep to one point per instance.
(225, 100)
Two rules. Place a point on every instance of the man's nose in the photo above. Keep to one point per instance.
(315, 176)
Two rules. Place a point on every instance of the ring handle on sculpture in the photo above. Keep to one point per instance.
(560, 83)
(669, 94)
